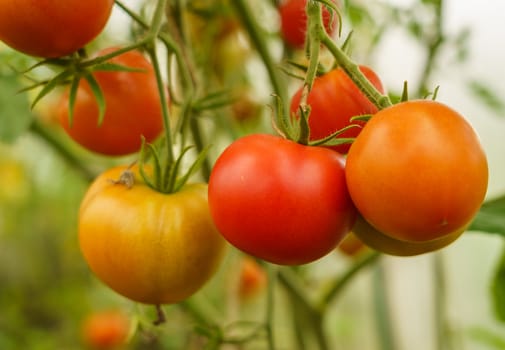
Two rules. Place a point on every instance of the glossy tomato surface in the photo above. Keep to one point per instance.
(334, 100)
(294, 22)
(417, 171)
(280, 201)
(150, 247)
(133, 108)
(52, 28)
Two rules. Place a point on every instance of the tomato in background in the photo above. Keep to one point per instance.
(280, 201)
(51, 28)
(334, 100)
(132, 108)
(294, 22)
(252, 278)
(150, 247)
(417, 171)
(106, 329)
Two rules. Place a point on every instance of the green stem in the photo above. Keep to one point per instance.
(269, 316)
(442, 328)
(382, 310)
(354, 73)
(336, 288)
(434, 44)
(258, 39)
(56, 143)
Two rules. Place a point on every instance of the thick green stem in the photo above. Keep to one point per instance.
(269, 315)
(442, 327)
(258, 39)
(382, 310)
(354, 73)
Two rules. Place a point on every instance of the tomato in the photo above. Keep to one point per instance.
(334, 100)
(51, 28)
(417, 171)
(107, 329)
(150, 247)
(294, 22)
(381, 242)
(252, 278)
(351, 245)
(280, 201)
(132, 108)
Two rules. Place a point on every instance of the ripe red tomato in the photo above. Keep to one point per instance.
(280, 201)
(334, 99)
(132, 108)
(106, 329)
(294, 22)
(150, 247)
(417, 172)
(51, 28)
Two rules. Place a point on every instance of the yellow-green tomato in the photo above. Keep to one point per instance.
(150, 247)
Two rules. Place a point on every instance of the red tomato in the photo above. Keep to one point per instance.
(106, 329)
(280, 201)
(334, 99)
(417, 171)
(132, 108)
(294, 22)
(51, 28)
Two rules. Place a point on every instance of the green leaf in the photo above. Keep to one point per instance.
(491, 217)
(58, 80)
(498, 289)
(487, 96)
(487, 337)
(15, 115)
(113, 67)
(100, 98)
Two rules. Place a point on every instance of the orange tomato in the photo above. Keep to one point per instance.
(106, 329)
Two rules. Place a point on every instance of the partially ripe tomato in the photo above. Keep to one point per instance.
(252, 278)
(417, 172)
(51, 28)
(150, 247)
(294, 22)
(334, 100)
(280, 201)
(107, 329)
(132, 108)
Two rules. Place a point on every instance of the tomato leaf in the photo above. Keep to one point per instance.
(487, 96)
(498, 289)
(113, 67)
(490, 218)
(71, 98)
(59, 79)
(15, 116)
(100, 98)
(485, 336)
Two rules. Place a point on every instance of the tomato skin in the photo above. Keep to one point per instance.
(150, 247)
(294, 22)
(51, 28)
(334, 100)
(105, 329)
(417, 171)
(132, 108)
(280, 201)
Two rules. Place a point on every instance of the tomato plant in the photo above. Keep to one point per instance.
(294, 22)
(107, 329)
(417, 171)
(132, 108)
(51, 28)
(150, 247)
(334, 99)
(280, 201)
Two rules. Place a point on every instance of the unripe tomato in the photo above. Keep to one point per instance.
(417, 172)
(294, 22)
(132, 108)
(280, 201)
(334, 100)
(52, 28)
(150, 247)
(106, 329)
